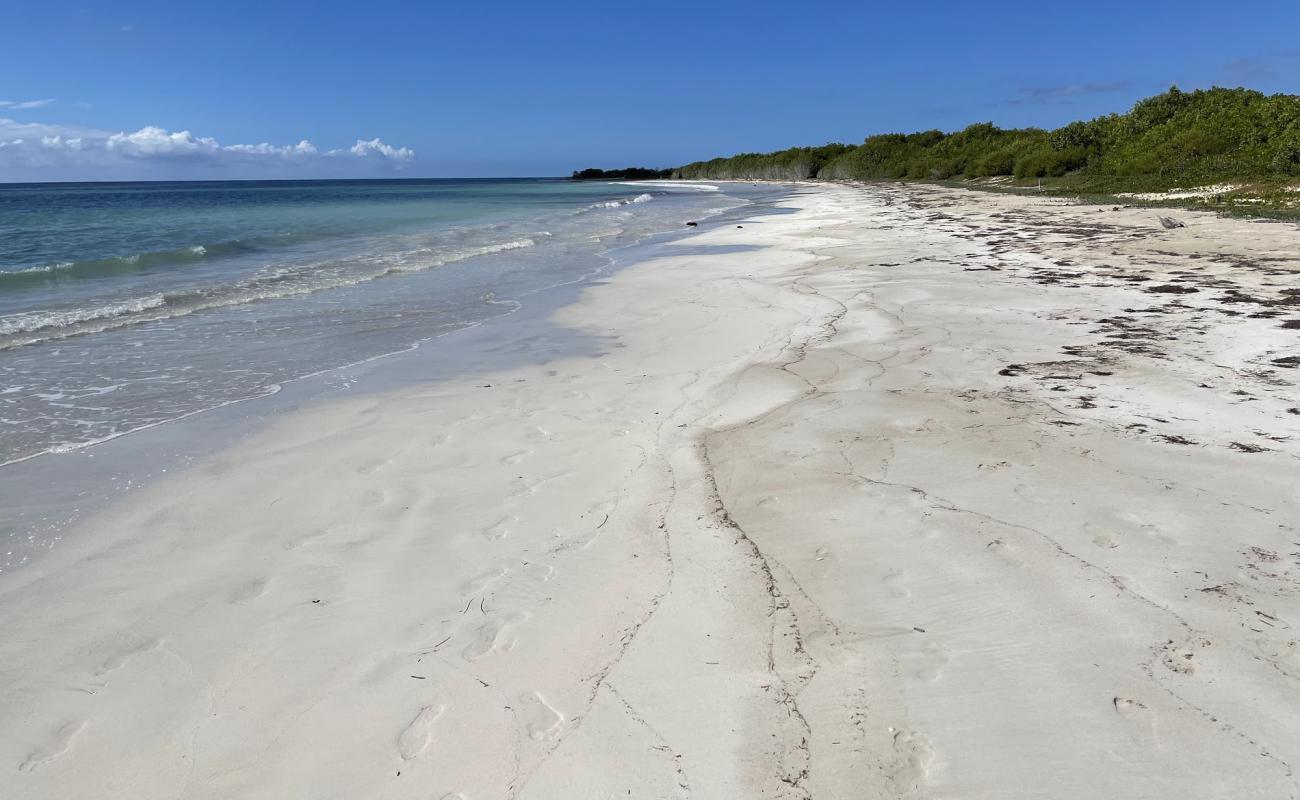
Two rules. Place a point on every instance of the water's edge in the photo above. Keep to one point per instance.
(51, 496)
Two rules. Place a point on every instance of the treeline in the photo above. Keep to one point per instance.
(1173, 138)
(797, 163)
(627, 174)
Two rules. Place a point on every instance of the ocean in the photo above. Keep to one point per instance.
(127, 305)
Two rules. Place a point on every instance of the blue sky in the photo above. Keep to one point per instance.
(231, 89)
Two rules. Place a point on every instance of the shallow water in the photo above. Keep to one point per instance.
(128, 305)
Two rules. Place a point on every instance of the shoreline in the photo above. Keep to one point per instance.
(90, 466)
(902, 490)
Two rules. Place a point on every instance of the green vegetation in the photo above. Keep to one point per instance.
(1176, 139)
(627, 174)
(795, 164)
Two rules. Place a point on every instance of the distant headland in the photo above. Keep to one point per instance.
(626, 174)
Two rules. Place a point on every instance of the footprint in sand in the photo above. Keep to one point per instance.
(1006, 552)
(370, 467)
(480, 583)
(539, 572)
(400, 497)
(933, 660)
(1101, 535)
(1141, 722)
(824, 561)
(119, 659)
(1275, 650)
(539, 432)
(1155, 532)
(1031, 494)
(415, 738)
(493, 636)
(597, 510)
(249, 591)
(501, 528)
(893, 579)
(540, 719)
(515, 458)
(911, 764)
(293, 543)
(60, 744)
(531, 487)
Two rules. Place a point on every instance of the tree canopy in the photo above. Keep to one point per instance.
(1176, 137)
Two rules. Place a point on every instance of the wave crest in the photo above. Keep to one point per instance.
(31, 327)
(33, 321)
(622, 201)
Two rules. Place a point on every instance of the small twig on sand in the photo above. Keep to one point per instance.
(602, 522)
(467, 605)
(434, 649)
(480, 606)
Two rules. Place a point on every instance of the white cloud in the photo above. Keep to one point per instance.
(25, 105)
(154, 142)
(38, 151)
(374, 147)
(303, 148)
(57, 142)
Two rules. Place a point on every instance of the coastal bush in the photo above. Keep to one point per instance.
(1174, 138)
(998, 162)
(796, 164)
(1049, 162)
(1286, 158)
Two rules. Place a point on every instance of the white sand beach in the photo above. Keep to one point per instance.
(906, 492)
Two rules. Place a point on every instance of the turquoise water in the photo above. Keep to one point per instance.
(123, 306)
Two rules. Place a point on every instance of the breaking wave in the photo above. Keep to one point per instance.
(624, 201)
(30, 327)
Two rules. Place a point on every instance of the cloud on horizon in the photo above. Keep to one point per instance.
(1044, 95)
(33, 151)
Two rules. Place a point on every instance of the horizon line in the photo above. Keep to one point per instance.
(4, 183)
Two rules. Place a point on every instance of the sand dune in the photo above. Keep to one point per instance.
(903, 493)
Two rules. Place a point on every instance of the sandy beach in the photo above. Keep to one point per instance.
(903, 492)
